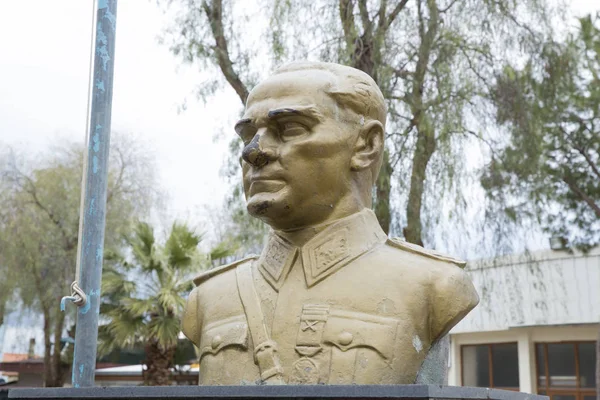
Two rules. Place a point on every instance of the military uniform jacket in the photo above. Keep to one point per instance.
(349, 306)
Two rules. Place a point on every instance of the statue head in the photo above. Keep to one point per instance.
(313, 137)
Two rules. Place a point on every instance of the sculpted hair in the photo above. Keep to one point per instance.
(351, 88)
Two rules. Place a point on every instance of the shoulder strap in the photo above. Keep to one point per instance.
(416, 249)
(265, 350)
(218, 270)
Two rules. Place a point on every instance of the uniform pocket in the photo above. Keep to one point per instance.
(224, 333)
(348, 330)
(362, 346)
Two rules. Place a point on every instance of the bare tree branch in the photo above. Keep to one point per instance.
(490, 145)
(29, 188)
(449, 6)
(402, 73)
(577, 190)
(119, 181)
(215, 18)
(364, 17)
(381, 15)
(390, 19)
(583, 126)
(404, 135)
(428, 37)
(588, 160)
(348, 23)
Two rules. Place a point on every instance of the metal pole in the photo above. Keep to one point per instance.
(93, 212)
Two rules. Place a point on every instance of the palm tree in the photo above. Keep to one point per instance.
(143, 296)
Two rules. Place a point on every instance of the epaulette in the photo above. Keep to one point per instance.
(415, 248)
(216, 271)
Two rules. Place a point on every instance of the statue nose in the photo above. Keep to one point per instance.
(253, 153)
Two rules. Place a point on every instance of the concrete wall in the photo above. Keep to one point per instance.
(544, 288)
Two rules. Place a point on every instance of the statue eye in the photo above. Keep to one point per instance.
(291, 130)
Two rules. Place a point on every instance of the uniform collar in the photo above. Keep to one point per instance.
(325, 253)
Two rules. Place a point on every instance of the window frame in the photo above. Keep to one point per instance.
(577, 391)
(490, 364)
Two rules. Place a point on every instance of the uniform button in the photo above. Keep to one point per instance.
(216, 342)
(345, 338)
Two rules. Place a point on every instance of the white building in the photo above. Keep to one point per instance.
(535, 328)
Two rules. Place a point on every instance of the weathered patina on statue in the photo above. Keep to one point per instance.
(331, 299)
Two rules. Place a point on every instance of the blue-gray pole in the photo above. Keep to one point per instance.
(92, 214)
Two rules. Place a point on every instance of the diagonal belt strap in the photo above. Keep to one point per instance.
(265, 350)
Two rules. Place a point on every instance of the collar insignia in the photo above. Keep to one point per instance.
(324, 254)
(276, 260)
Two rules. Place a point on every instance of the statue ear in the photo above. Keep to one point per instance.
(368, 147)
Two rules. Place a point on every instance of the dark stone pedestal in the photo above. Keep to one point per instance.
(422, 392)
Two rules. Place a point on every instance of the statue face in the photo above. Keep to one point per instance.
(296, 159)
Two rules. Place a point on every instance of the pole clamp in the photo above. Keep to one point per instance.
(77, 297)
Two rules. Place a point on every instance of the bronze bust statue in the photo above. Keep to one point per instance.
(331, 299)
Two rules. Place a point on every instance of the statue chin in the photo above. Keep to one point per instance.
(267, 207)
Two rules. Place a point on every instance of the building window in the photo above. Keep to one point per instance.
(494, 365)
(566, 370)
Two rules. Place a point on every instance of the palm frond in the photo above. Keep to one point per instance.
(106, 342)
(146, 308)
(142, 244)
(139, 307)
(112, 256)
(181, 246)
(122, 332)
(114, 283)
(222, 250)
(165, 328)
(183, 288)
(170, 300)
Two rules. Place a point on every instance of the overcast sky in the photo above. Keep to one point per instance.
(44, 61)
(44, 56)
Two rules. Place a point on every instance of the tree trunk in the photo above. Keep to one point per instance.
(426, 142)
(383, 189)
(2, 311)
(158, 364)
(2, 327)
(423, 152)
(364, 59)
(57, 368)
(48, 377)
(53, 373)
